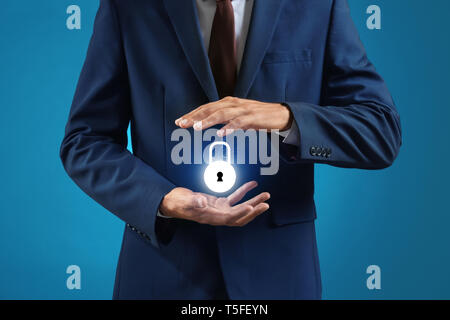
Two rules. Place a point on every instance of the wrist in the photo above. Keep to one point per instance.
(287, 116)
(166, 207)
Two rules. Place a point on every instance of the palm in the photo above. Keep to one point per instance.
(222, 204)
(220, 210)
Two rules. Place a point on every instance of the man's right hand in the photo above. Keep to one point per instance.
(203, 208)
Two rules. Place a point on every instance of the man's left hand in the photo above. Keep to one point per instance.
(235, 114)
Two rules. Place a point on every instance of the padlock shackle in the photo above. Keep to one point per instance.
(223, 143)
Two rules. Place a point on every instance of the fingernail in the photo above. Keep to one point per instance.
(183, 122)
(220, 132)
(198, 125)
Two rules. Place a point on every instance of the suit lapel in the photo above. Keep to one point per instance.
(264, 19)
(183, 16)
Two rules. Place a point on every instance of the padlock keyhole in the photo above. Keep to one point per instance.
(219, 176)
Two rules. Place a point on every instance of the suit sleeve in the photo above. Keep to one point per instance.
(356, 125)
(93, 151)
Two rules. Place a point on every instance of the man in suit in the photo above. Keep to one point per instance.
(296, 66)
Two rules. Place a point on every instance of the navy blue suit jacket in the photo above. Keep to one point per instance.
(147, 65)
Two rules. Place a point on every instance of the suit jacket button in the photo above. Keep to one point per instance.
(323, 151)
(312, 151)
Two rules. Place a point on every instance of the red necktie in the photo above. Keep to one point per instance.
(222, 49)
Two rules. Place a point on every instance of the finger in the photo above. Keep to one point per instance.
(220, 116)
(199, 116)
(262, 197)
(237, 213)
(187, 115)
(224, 132)
(237, 196)
(188, 119)
(203, 113)
(179, 121)
(242, 122)
(213, 106)
(216, 217)
(205, 110)
(259, 209)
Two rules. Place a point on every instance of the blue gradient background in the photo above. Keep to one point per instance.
(396, 218)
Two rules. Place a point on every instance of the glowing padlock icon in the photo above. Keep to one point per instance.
(219, 175)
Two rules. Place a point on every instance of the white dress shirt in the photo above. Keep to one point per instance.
(206, 10)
